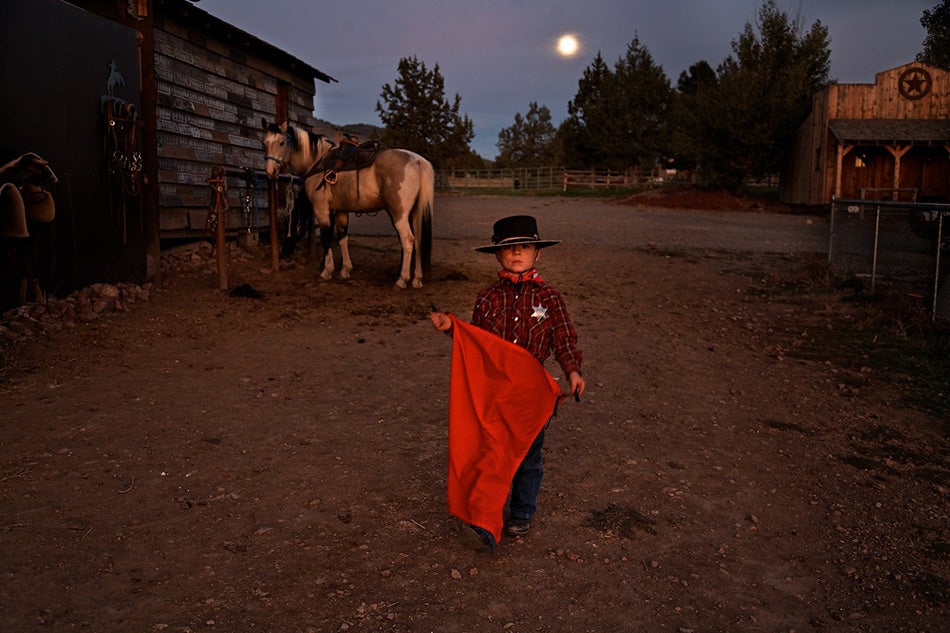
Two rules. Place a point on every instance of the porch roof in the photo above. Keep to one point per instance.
(891, 131)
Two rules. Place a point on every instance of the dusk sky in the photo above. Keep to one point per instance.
(500, 55)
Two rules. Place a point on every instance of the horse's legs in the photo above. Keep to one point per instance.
(342, 221)
(326, 240)
(407, 240)
(417, 242)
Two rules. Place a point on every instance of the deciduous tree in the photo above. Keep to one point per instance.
(937, 43)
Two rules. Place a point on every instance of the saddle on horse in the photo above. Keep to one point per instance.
(347, 156)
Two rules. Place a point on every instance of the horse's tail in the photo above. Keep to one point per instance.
(423, 215)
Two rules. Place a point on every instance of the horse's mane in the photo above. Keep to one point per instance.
(294, 137)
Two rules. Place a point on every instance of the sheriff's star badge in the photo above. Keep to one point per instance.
(540, 313)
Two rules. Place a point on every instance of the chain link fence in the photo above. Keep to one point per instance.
(903, 245)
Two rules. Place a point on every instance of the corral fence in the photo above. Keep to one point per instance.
(546, 179)
(592, 179)
(903, 245)
(528, 179)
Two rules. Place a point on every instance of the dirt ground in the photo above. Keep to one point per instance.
(203, 462)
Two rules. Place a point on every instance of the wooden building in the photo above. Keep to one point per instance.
(206, 86)
(886, 140)
(214, 83)
(197, 89)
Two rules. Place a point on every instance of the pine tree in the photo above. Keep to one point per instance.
(589, 117)
(763, 94)
(418, 117)
(687, 116)
(641, 112)
(618, 118)
(530, 142)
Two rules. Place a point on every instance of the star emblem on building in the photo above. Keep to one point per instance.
(914, 83)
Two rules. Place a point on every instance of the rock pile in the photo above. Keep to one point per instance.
(82, 306)
(98, 300)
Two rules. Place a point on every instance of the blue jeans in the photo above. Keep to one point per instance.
(526, 483)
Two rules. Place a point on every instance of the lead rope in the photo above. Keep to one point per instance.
(219, 204)
(290, 199)
(249, 199)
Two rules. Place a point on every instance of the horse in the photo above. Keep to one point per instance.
(398, 180)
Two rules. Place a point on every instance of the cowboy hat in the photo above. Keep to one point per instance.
(515, 230)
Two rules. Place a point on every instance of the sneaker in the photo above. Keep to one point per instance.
(518, 527)
(476, 539)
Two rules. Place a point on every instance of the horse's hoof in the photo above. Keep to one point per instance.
(401, 284)
(325, 277)
(344, 274)
(416, 283)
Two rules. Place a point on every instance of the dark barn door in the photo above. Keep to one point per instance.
(63, 70)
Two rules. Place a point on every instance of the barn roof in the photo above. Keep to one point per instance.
(881, 131)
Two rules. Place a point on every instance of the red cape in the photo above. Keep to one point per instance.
(500, 397)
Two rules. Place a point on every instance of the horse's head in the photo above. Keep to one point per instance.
(290, 148)
(276, 147)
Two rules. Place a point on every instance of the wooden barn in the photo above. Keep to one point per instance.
(158, 91)
(887, 140)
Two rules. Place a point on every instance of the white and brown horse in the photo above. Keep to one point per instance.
(399, 181)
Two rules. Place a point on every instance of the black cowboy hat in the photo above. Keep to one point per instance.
(514, 230)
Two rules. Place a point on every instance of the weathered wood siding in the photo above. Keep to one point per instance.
(882, 99)
(211, 99)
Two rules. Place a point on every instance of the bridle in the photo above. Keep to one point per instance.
(328, 177)
(279, 161)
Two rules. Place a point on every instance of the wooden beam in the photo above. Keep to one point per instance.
(842, 151)
(897, 151)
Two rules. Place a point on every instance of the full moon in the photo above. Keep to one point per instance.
(567, 46)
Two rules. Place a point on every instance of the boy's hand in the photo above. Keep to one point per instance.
(578, 384)
(440, 321)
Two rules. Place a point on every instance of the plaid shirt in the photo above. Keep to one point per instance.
(532, 315)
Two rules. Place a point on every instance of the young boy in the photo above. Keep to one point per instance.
(519, 307)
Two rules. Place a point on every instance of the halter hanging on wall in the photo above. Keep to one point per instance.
(123, 160)
(249, 199)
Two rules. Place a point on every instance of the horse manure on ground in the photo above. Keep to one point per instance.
(623, 521)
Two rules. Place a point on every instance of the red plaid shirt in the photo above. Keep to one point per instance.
(532, 315)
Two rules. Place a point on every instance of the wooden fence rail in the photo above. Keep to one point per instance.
(593, 178)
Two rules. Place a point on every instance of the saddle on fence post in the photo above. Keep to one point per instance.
(27, 211)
